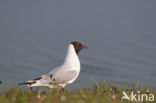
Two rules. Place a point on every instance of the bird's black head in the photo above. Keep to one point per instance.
(78, 46)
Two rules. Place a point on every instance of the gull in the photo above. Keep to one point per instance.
(64, 74)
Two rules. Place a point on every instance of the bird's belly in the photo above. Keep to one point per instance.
(72, 80)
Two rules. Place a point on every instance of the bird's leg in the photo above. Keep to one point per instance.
(30, 87)
(59, 88)
(63, 89)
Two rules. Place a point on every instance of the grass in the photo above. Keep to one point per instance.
(99, 94)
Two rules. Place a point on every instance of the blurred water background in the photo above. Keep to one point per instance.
(120, 34)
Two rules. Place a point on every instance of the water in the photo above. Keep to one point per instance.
(121, 37)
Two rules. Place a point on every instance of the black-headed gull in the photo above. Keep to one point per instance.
(64, 74)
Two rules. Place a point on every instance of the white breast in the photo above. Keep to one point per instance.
(72, 61)
(72, 58)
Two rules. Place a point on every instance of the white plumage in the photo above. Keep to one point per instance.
(61, 75)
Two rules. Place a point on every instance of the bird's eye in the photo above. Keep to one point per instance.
(80, 44)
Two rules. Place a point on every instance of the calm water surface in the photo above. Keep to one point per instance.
(121, 36)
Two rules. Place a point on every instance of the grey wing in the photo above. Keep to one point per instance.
(64, 76)
(46, 79)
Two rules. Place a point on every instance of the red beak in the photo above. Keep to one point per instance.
(84, 46)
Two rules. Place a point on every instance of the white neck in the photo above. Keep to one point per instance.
(71, 57)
